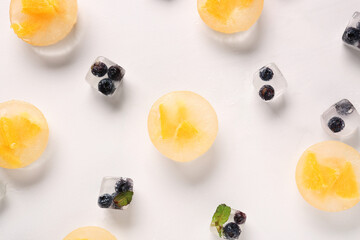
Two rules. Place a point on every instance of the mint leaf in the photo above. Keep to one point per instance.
(123, 199)
(220, 217)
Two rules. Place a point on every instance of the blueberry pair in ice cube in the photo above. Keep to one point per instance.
(105, 76)
(226, 222)
(116, 193)
(351, 36)
(341, 119)
(269, 82)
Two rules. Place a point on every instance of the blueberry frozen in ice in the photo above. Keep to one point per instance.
(105, 76)
(341, 119)
(351, 35)
(116, 193)
(227, 223)
(269, 82)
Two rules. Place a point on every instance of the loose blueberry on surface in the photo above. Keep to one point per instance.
(106, 86)
(267, 92)
(240, 217)
(351, 35)
(123, 186)
(115, 73)
(105, 201)
(336, 124)
(266, 73)
(231, 231)
(344, 107)
(99, 69)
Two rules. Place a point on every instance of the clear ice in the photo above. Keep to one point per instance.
(341, 119)
(227, 223)
(269, 82)
(116, 193)
(105, 76)
(351, 36)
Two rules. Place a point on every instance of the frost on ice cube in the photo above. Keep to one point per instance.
(269, 82)
(227, 223)
(341, 119)
(116, 193)
(105, 76)
(351, 36)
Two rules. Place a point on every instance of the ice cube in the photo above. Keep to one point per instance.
(351, 36)
(269, 82)
(105, 76)
(227, 223)
(341, 119)
(116, 193)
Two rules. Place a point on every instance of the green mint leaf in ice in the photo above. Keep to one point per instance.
(220, 217)
(123, 199)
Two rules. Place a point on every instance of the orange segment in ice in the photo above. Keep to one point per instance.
(346, 186)
(23, 134)
(223, 9)
(43, 22)
(230, 16)
(328, 176)
(90, 233)
(182, 125)
(317, 177)
(47, 7)
(185, 131)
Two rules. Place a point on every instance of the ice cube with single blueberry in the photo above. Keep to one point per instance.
(351, 36)
(269, 82)
(116, 193)
(227, 223)
(105, 76)
(341, 119)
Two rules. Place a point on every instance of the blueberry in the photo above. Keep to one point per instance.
(105, 200)
(351, 35)
(106, 86)
(240, 217)
(358, 25)
(231, 231)
(123, 185)
(266, 73)
(336, 124)
(344, 107)
(267, 92)
(115, 73)
(99, 69)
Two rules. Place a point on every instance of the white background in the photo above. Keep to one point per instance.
(164, 46)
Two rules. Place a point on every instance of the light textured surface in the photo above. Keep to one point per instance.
(164, 46)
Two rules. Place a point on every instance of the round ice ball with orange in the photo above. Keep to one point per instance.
(182, 125)
(328, 176)
(43, 22)
(230, 16)
(90, 233)
(24, 134)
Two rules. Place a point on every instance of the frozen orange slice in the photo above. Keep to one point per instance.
(182, 125)
(328, 176)
(24, 134)
(43, 22)
(230, 16)
(90, 233)
(47, 7)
